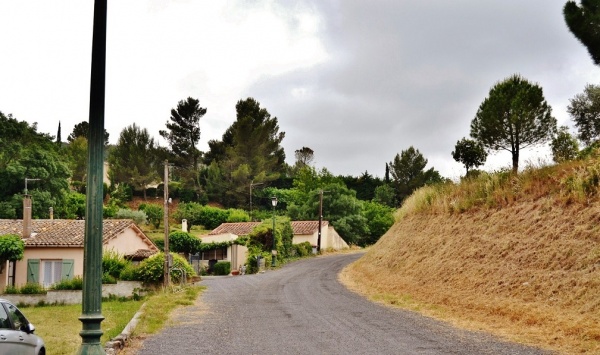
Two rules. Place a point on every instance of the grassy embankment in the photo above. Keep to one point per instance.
(517, 256)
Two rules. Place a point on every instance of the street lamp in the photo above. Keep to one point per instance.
(273, 248)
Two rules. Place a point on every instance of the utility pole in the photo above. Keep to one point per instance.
(320, 219)
(166, 223)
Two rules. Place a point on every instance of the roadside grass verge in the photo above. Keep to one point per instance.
(59, 325)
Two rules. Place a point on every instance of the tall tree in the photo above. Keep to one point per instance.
(183, 132)
(564, 146)
(133, 159)
(470, 153)
(81, 130)
(514, 116)
(58, 137)
(408, 172)
(584, 22)
(77, 152)
(25, 153)
(304, 156)
(250, 151)
(584, 109)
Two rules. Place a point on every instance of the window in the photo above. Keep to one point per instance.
(52, 272)
(18, 319)
(4, 322)
(215, 254)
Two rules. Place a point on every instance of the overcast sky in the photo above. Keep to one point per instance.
(356, 81)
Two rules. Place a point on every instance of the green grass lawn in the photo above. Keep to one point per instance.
(59, 326)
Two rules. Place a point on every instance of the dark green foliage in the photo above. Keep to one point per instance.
(379, 219)
(11, 247)
(113, 263)
(108, 279)
(564, 146)
(129, 273)
(151, 270)
(154, 213)
(364, 185)
(74, 206)
(250, 151)
(408, 172)
(303, 249)
(514, 116)
(7, 210)
(81, 130)
(385, 195)
(11, 290)
(222, 268)
(184, 242)
(470, 153)
(32, 289)
(584, 22)
(75, 283)
(584, 109)
(134, 160)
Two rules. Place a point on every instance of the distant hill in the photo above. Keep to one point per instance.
(518, 256)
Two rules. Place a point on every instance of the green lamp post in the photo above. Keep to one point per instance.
(92, 251)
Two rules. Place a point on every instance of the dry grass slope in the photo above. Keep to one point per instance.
(518, 256)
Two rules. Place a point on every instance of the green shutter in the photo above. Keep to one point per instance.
(67, 269)
(33, 271)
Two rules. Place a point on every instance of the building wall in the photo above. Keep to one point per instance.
(75, 254)
(128, 242)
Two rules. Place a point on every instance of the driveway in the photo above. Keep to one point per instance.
(301, 308)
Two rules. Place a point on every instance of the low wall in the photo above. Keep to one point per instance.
(120, 289)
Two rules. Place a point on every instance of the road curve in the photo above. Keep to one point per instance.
(301, 308)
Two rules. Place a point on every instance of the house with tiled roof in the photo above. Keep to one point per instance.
(54, 248)
(304, 231)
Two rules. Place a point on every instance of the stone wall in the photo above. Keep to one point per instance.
(120, 289)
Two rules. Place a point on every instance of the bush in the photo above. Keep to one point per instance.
(11, 290)
(237, 215)
(222, 268)
(154, 213)
(108, 279)
(129, 273)
(184, 242)
(139, 217)
(303, 249)
(32, 289)
(12, 247)
(151, 270)
(113, 263)
(75, 283)
(212, 217)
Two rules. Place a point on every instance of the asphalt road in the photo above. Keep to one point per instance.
(301, 308)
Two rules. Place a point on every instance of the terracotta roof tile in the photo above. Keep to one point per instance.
(240, 228)
(244, 228)
(65, 232)
(307, 227)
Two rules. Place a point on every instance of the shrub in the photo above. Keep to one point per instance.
(154, 213)
(32, 289)
(75, 283)
(113, 263)
(108, 279)
(303, 249)
(139, 217)
(222, 268)
(237, 215)
(151, 270)
(212, 217)
(129, 273)
(11, 290)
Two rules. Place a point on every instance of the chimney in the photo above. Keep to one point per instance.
(26, 216)
(51, 213)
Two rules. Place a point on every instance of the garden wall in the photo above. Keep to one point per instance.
(120, 289)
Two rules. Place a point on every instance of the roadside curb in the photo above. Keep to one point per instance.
(117, 343)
